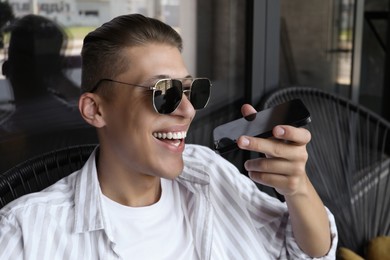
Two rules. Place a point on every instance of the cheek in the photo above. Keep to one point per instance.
(129, 120)
(128, 109)
(132, 124)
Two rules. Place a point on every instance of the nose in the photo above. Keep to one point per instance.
(185, 108)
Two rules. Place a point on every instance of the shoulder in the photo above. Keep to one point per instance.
(219, 171)
(196, 150)
(223, 176)
(204, 159)
(205, 156)
(60, 194)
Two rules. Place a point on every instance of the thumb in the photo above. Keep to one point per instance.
(247, 110)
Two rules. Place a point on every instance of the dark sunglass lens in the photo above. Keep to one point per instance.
(200, 93)
(167, 95)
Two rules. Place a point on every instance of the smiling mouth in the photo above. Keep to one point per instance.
(173, 138)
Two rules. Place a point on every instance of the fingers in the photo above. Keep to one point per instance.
(284, 184)
(247, 109)
(299, 136)
(295, 137)
(274, 165)
(268, 179)
(274, 148)
(284, 167)
(288, 177)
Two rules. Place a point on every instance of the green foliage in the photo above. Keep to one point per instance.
(78, 32)
(6, 15)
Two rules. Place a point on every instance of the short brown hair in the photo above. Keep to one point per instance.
(102, 48)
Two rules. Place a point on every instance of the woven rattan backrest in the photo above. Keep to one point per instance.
(348, 162)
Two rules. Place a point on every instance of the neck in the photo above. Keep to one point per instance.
(134, 190)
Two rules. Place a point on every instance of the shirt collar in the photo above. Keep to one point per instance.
(89, 212)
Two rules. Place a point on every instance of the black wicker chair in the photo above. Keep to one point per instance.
(348, 162)
(40, 172)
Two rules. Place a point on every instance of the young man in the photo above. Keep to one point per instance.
(144, 194)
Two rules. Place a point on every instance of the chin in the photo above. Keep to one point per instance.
(174, 172)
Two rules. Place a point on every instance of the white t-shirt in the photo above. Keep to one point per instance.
(159, 231)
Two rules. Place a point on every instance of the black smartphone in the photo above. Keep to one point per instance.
(260, 124)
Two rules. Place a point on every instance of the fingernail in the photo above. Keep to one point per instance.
(244, 141)
(280, 131)
(246, 167)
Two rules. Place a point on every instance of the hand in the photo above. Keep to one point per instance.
(286, 157)
(284, 169)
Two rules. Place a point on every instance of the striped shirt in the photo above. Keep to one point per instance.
(229, 217)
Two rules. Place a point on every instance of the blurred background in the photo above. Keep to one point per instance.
(247, 48)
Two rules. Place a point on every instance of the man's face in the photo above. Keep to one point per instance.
(131, 123)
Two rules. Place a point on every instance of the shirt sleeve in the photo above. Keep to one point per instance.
(11, 241)
(294, 252)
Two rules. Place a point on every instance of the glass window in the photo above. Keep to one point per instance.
(337, 45)
(316, 44)
(214, 37)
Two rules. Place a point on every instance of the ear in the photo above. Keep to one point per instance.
(91, 109)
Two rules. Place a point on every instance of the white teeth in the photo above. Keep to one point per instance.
(170, 135)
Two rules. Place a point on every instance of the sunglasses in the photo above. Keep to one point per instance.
(168, 93)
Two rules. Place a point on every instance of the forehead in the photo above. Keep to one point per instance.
(153, 59)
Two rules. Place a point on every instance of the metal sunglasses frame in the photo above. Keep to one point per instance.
(154, 88)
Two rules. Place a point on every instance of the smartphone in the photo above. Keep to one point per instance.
(260, 124)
